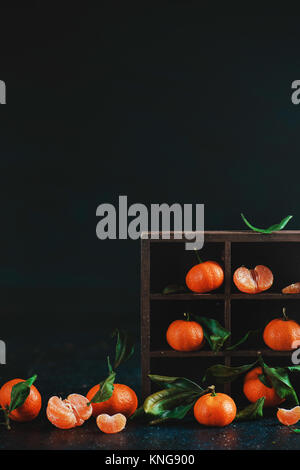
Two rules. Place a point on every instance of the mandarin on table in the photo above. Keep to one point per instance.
(111, 424)
(30, 408)
(123, 400)
(68, 413)
(215, 409)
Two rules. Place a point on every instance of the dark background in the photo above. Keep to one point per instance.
(162, 103)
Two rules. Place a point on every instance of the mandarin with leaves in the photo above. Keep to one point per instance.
(215, 409)
(123, 400)
(30, 407)
(254, 389)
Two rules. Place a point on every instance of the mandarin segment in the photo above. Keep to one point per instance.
(81, 407)
(60, 414)
(292, 289)
(289, 417)
(111, 424)
(244, 280)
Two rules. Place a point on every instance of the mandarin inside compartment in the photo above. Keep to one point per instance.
(166, 262)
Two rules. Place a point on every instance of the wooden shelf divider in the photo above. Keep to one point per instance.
(227, 238)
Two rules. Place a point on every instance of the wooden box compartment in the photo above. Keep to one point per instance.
(169, 263)
(282, 258)
(163, 313)
(166, 261)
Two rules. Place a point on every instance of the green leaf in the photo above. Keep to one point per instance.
(215, 334)
(293, 368)
(296, 430)
(20, 392)
(109, 366)
(138, 414)
(174, 289)
(281, 382)
(124, 347)
(174, 401)
(244, 339)
(106, 389)
(224, 374)
(171, 402)
(179, 382)
(272, 228)
(253, 411)
(265, 380)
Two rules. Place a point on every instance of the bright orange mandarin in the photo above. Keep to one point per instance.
(123, 400)
(111, 424)
(255, 389)
(30, 408)
(205, 277)
(282, 334)
(185, 335)
(215, 409)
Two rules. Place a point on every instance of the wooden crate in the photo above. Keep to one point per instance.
(165, 261)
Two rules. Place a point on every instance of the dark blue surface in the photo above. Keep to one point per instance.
(264, 435)
(79, 362)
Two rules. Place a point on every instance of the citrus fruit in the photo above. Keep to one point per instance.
(253, 281)
(205, 277)
(282, 334)
(289, 417)
(123, 400)
(254, 389)
(292, 289)
(111, 424)
(185, 335)
(68, 413)
(30, 408)
(215, 409)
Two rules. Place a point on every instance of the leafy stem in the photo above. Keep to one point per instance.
(212, 389)
(6, 418)
(272, 228)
